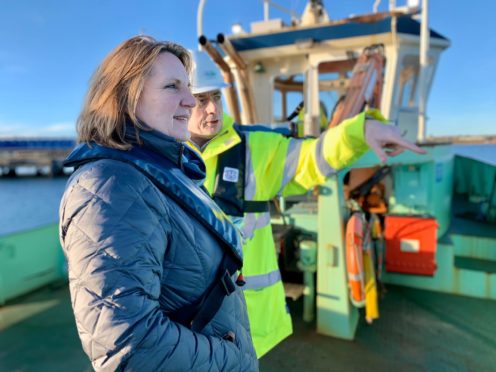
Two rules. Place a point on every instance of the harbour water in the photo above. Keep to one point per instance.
(485, 152)
(29, 202)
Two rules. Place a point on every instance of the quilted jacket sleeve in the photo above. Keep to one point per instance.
(115, 232)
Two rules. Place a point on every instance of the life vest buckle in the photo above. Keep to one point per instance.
(228, 283)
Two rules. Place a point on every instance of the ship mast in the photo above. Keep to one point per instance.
(424, 65)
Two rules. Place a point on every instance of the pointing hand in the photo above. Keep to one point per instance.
(387, 141)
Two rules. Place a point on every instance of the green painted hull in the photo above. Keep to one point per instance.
(29, 260)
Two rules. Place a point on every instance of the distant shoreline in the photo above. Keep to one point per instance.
(463, 140)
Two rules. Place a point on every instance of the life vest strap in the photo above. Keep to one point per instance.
(251, 206)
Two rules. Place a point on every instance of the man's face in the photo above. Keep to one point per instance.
(206, 116)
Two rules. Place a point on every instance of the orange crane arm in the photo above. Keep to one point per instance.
(365, 87)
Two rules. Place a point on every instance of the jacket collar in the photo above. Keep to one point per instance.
(161, 145)
(157, 142)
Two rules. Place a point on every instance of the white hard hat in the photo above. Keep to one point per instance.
(205, 75)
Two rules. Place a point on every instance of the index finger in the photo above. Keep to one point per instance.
(408, 145)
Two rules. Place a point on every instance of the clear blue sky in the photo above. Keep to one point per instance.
(49, 49)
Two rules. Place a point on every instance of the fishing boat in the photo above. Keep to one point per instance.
(437, 212)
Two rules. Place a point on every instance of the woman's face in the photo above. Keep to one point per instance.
(165, 103)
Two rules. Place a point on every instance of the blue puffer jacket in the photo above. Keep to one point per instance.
(143, 241)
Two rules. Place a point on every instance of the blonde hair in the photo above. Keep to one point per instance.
(115, 88)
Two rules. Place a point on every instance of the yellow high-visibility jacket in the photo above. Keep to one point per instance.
(277, 165)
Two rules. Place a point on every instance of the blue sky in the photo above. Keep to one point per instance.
(49, 49)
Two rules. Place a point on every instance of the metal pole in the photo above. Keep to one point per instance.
(376, 5)
(199, 20)
(311, 125)
(231, 95)
(266, 10)
(308, 264)
(424, 64)
(245, 91)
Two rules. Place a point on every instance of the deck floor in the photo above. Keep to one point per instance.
(418, 331)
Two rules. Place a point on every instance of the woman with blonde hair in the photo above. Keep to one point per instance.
(152, 260)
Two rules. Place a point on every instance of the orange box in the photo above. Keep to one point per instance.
(411, 243)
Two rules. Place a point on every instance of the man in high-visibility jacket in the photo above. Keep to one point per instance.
(246, 168)
(323, 120)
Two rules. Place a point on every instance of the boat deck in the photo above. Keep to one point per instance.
(418, 330)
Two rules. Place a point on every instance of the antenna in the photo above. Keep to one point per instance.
(199, 20)
(281, 8)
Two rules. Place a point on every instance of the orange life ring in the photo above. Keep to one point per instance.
(354, 259)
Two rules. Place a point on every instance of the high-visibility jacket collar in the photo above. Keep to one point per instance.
(223, 141)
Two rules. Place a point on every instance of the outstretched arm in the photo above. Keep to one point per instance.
(291, 166)
(341, 146)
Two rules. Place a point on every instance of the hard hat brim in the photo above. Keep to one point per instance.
(211, 88)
